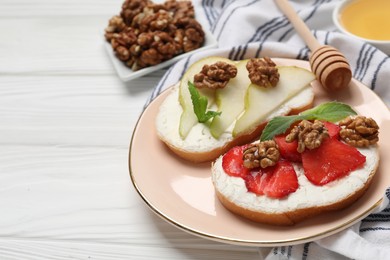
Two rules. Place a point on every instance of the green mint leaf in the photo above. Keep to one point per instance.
(200, 105)
(211, 114)
(278, 125)
(330, 111)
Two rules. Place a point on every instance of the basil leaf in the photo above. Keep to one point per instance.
(200, 105)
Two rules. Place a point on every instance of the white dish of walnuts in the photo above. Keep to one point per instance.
(148, 36)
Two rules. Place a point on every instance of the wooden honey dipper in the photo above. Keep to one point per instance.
(327, 63)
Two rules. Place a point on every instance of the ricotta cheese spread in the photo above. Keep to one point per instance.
(199, 138)
(307, 195)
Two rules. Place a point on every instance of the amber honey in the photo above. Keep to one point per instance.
(369, 19)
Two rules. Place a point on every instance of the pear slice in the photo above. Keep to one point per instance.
(188, 118)
(230, 100)
(261, 102)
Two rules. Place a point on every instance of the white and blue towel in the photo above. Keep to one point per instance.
(256, 28)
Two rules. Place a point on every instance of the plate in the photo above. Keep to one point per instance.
(127, 74)
(182, 193)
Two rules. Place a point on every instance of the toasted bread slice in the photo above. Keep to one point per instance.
(199, 145)
(307, 201)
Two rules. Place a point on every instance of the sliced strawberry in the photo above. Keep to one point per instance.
(275, 182)
(288, 150)
(232, 162)
(333, 129)
(332, 160)
(283, 182)
(257, 180)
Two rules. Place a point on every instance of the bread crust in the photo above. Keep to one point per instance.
(210, 155)
(292, 217)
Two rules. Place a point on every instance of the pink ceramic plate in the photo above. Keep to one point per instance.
(182, 193)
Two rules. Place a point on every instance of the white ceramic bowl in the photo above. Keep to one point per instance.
(380, 44)
(126, 74)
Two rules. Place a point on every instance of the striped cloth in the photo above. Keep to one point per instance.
(256, 28)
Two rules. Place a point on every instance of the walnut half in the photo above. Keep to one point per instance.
(263, 72)
(309, 135)
(263, 154)
(215, 76)
(359, 131)
(115, 25)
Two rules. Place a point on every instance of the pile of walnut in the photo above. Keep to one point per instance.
(146, 34)
(261, 71)
(358, 131)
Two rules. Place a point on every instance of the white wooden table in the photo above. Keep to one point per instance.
(65, 125)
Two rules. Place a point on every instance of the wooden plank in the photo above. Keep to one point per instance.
(71, 110)
(55, 8)
(71, 201)
(34, 250)
(54, 46)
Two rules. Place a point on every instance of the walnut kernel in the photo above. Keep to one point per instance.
(193, 34)
(263, 154)
(121, 43)
(215, 76)
(263, 72)
(131, 8)
(115, 25)
(359, 131)
(309, 135)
